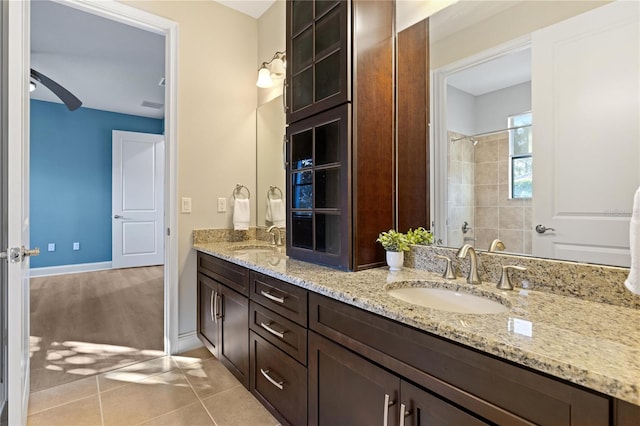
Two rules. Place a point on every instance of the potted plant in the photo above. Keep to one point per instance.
(395, 243)
(419, 236)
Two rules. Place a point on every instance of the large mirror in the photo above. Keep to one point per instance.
(270, 173)
(569, 96)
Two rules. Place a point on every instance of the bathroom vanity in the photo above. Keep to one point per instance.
(330, 347)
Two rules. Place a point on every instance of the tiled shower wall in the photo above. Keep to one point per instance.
(479, 195)
(461, 189)
(497, 216)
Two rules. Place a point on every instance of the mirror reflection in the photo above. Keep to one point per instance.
(560, 182)
(270, 171)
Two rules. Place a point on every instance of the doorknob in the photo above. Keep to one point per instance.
(117, 216)
(541, 229)
(15, 254)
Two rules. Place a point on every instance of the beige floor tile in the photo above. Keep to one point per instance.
(83, 412)
(192, 415)
(135, 373)
(237, 407)
(63, 394)
(209, 377)
(189, 357)
(142, 401)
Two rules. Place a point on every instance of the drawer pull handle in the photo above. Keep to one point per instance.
(272, 297)
(387, 403)
(275, 383)
(211, 306)
(267, 327)
(403, 413)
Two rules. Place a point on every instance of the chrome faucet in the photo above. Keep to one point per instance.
(496, 245)
(276, 237)
(473, 277)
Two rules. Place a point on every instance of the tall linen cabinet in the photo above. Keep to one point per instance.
(340, 143)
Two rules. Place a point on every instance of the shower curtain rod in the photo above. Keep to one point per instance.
(490, 133)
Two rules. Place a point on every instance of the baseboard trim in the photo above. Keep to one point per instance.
(188, 341)
(69, 269)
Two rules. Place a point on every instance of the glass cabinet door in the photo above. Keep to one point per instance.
(316, 50)
(318, 192)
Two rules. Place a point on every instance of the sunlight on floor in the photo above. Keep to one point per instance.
(85, 359)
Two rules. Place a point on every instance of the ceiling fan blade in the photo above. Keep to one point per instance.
(65, 96)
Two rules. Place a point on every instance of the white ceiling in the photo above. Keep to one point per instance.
(505, 71)
(253, 8)
(107, 65)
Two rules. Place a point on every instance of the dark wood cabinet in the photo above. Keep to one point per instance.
(348, 389)
(223, 314)
(317, 52)
(278, 322)
(488, 387)
(341, 161)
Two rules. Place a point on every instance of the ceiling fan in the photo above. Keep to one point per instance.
(71, 102)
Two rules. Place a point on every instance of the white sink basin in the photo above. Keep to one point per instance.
(448, 300)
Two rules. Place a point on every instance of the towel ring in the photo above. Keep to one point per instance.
(272, 190)
(238, 190)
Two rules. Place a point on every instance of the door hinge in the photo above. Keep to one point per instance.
(168, 231)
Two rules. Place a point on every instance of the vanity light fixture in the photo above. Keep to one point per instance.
(32, 85)
(272, 70)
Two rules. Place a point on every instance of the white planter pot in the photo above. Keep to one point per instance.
(395, 259)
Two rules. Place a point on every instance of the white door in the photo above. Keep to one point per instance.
(138, 199)
(589, 120)
(15, 191)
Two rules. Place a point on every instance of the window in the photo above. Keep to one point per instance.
(520, 160)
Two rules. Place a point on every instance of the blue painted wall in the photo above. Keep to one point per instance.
(70, 173)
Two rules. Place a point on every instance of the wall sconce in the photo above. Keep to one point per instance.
(272, 70)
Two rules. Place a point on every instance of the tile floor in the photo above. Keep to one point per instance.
(190, 389)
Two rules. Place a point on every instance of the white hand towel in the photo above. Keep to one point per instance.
(241, 214)
(633, 281)
(275, 212)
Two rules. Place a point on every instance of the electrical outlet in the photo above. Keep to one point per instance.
(76, 246)
(51, 247)
(222, 205)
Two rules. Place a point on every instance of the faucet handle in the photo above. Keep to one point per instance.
(449, 273)
(505, 281)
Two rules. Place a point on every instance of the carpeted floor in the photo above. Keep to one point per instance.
(88, 323)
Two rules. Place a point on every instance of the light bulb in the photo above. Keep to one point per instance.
(264, 78)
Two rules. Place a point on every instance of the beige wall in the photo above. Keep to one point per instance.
(217, 53)
(271, 39)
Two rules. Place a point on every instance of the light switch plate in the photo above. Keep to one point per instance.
(186, 205)
(222, 205)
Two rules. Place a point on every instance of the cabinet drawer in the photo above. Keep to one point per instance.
(278, 381)
(481, 383)
(281, 297)
(229, 274)
(285, 334)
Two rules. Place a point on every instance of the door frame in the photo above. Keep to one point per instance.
(169, 29)
(18, 124)
(439, 164)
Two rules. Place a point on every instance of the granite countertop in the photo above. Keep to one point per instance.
(591, 344)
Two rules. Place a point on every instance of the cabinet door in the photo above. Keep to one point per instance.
(278, 381)
(423, 408)
(317, 40)
(208, 324)
(318, 190)
(345, 389)
(234, 334)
